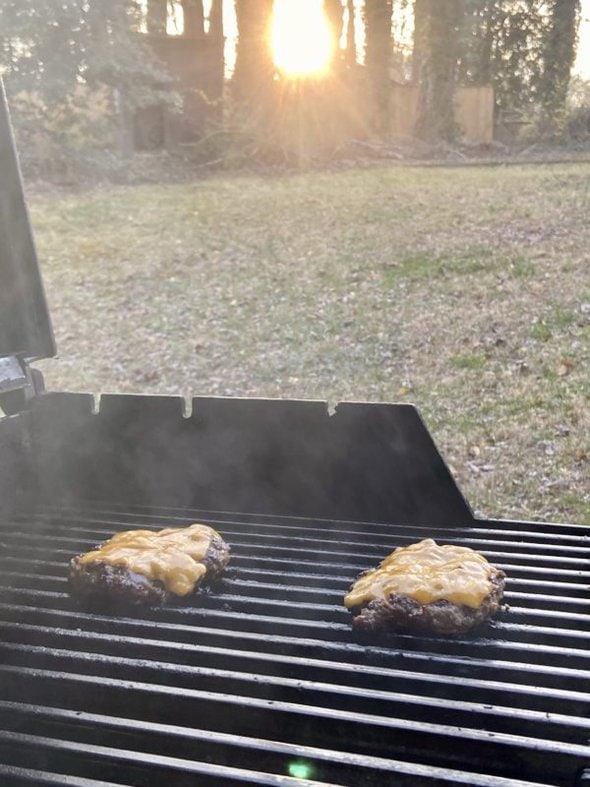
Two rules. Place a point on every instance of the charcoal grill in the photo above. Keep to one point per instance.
(260, 681)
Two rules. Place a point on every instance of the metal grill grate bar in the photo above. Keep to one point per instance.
(269, 656)
(535, 723)
(15, 776)
(296, 546)
(340, 672)
(196, 635)
(241, 703)
(309, 754)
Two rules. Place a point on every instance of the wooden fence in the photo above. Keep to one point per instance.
(474, 112)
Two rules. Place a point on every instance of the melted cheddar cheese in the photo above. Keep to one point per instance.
(427, 572)
(173, 556)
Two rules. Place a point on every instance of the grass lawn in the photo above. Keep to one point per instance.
(464, 290)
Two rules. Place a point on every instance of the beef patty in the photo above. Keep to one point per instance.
(150, 567)
(427, 588)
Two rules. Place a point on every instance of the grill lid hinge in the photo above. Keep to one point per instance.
(19, 383)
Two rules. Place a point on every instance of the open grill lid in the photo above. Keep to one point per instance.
(25, 326)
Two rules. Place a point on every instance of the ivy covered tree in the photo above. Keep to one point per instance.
(502, 45)
(440, 31)
(526, 50)
(559, 54)
(379, 48)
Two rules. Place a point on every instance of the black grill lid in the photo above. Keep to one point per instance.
(25, 326)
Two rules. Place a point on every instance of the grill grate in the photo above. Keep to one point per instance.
(264, 682)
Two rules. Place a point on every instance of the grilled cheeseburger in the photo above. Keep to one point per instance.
(150, 567)
(425, 587)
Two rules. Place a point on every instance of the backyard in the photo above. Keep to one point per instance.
(465, 290)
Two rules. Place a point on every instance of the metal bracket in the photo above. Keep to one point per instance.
(18, 384)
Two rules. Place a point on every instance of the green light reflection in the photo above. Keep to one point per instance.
(300, 770)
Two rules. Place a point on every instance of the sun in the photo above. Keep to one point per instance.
(301, 40)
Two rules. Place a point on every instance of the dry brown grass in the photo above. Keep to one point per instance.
(466, 291)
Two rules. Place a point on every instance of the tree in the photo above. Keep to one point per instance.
(202, 93)
(377, 14)
(194, 18)
(54, 53)
(350, 35)
(441, 38)
(334, 13)
(157, 16)
(559, 54)
(481, 29)
(421, 22)
(502, 45)
(216, 19)
(254, 69)
(217, 46)
(49, 48)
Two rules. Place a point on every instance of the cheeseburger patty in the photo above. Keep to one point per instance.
(427, 588)
(150, 567)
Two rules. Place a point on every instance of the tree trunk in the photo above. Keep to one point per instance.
(216, 19)
(378, 59)
(559, 53)
(253, 76)
(436, 116)
(350, 36)
(486, 76)
(194, 18)
(157, 16)
(421, 11)
(334, 13)
(217, 47)
(477, 52)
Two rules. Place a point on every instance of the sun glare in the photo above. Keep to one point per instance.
(301, 40)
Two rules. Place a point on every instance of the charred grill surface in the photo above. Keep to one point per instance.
(265, 680)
